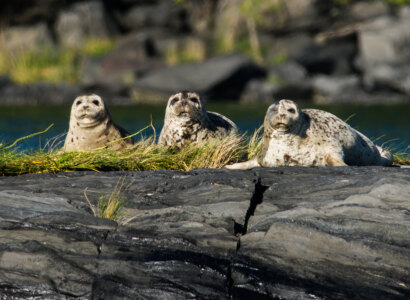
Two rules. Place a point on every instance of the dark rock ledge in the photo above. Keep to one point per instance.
(283, 233)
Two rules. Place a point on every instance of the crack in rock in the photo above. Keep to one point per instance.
(239, 229)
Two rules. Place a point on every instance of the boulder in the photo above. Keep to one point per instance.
(384, 53)
(222, 77)
(38, 93)
(165, 14)
(365, 10)
(348, 89)
(134, 55)
(267, 233)
(22, 38)
(333, 57)
(82, 21)
(288, 80)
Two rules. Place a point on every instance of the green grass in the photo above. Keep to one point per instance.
(144, 155)
(51, 64)
(110, 206)
(401, 158)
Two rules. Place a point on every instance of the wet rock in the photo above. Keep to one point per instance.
(308, 228)
(222, 77)
(316, 233)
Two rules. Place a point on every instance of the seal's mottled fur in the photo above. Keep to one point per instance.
(186, 120)
(91, 126)
(312, 137)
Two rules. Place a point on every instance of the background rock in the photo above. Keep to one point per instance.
(82, 21)
(384, 53)
(117, 70)
(19, 38)
(39, 93)
(316, 233)
(221, 77)
(367, 40)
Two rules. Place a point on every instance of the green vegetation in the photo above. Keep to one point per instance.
(402, 158)
(110, 205)
(190, 50)
(51, 64)
(398, 2)
(145, 155)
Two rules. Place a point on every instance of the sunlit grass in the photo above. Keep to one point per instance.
(402, 158)
(95, 47)
(50, 64)
(110, 206)
(190, 50)
(144, 155)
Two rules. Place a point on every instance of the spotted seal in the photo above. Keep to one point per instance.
(186, 120)
(312, 137)
(91, 126)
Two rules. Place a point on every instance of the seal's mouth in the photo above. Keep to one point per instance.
(282, 127)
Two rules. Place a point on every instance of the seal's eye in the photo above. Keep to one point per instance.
(96, 102)
(194, 99)
(78, 102)
(291, 110)
(174, 100)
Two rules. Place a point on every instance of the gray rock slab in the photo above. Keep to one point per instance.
(222, 77)
(353, 228)
(311, 233)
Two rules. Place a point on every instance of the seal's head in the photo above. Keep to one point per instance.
(282, 116)
(186, 105)
(89, 110)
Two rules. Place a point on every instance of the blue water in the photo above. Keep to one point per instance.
(388, 125)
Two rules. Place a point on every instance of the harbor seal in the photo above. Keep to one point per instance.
(91, 126)
(312, 137)
(186, 120)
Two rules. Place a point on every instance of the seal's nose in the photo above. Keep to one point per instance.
(85, 106)
(184, 103)
(282, 115)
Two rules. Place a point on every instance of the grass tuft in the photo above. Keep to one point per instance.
(402, 158)
(110, 205)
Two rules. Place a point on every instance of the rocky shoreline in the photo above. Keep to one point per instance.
(314, 50)
(291, 233)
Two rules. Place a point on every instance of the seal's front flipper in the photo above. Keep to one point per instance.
(253, 163)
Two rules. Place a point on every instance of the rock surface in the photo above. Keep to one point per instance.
(223, 77)
(289, 233)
